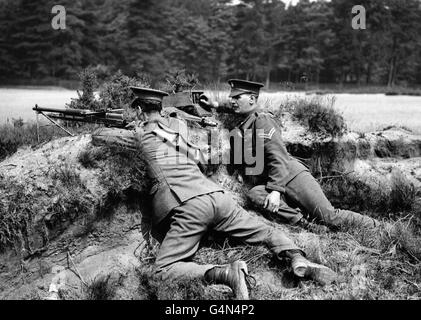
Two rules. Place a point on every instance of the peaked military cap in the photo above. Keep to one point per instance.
(243, 86)
(149, 94)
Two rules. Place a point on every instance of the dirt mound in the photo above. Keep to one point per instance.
(53, 207)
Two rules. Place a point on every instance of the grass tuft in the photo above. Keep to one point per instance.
(90, 157)
(403, 193)
(318, 116)
(15, 214)
(102, 288)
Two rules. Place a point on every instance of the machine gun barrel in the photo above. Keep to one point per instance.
(79, 112)
(110, 119)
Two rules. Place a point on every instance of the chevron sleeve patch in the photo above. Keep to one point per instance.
(267, 135)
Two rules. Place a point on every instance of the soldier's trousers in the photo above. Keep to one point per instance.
(305, 193)
(214, 211)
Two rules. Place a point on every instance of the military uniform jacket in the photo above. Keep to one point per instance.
(279, 166)
(173, 166)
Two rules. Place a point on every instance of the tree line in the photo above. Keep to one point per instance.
(261, 40)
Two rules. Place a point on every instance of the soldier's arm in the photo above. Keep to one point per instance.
(223, 107)
(276, 156)
(128, 139)
(220, 107)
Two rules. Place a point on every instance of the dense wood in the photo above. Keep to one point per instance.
(258, 40)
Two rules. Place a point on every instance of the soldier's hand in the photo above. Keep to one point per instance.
(206, 103)
(240, 178)
(273, 201)
(132, 125)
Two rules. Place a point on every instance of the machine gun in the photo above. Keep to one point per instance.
(181, 104)
(110, 118)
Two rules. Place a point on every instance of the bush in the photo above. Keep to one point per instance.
(86, 100)
(318, 116)
(116, 93)
(177, 80)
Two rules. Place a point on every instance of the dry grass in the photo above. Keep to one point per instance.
(125, 168)
(14, 136)
(371, 264)
(15, 215)
(21, 211)
(383, 201)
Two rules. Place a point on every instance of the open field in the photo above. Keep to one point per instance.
(346, 88)
(18, 102)
(370, 112)
(362, 112)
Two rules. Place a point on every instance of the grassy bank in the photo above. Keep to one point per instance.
(14, 136)
(373, 264)
(19, 134)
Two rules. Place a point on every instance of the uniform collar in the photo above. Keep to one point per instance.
(246, 123)
(166, 126)
(161, 123)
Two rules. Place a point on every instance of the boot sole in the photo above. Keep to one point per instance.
(242, 290)
(321, 274)
(300, 267)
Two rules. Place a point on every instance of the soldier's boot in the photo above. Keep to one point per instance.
(310, 226)
(232, 275)
(305, 269)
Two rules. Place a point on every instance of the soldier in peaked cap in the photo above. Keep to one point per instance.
(186, 204)
(149, 99)
(285, 182)
(239, 87)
